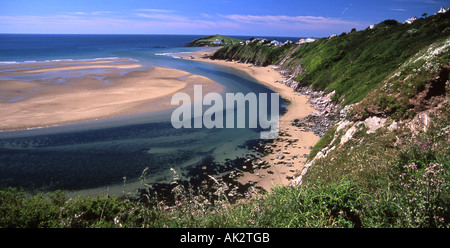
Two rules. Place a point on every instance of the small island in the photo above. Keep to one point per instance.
(213, 41)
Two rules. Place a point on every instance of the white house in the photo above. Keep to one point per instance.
(217, 42)
(309, 40)
(287, 42)
(275, 43)
(442, 10)
(411, 20)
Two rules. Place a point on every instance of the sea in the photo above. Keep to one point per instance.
(110, 154)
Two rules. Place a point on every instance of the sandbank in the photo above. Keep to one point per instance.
(43, 94)
(293, 144)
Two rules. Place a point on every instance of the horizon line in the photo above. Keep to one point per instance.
(230, 35)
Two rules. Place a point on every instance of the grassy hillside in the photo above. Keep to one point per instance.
(255, 52)
(350, 64)
(393, 142)
(210, 41)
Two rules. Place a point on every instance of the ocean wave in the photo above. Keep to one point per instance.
(173, 55)
(64, 60)
(8, 62)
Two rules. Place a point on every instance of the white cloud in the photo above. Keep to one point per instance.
(78, 13)
(282, 19)
(157, 10)
(167, 21)
(345, 10)
(292, 25)
(402, 10)
(102, 12)
(164, 17)
(419, 1)
(205, 15)
(94, 13)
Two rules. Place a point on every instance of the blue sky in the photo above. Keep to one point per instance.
(296, 18)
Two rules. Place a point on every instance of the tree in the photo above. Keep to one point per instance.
(390, 22)
(424, 15)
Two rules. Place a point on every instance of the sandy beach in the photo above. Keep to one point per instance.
(54, 93)
(293, 144)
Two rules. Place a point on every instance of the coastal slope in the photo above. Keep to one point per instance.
(380, 95)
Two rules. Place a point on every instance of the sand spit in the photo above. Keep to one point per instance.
(51, 93)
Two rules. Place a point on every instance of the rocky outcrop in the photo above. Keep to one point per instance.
(327, 112)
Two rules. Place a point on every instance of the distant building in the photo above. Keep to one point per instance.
(442, 10)
(309, 40)
(275, 43)
(217, 42)
(372, 26)
(411, 20)
(287, 42)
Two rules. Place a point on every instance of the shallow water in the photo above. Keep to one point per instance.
(99, 154)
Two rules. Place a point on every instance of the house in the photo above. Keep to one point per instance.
(411, 20)
(275, 43)
(442, 10)
(217, 42)
(372, 26)
(287, 42)
(309, 40)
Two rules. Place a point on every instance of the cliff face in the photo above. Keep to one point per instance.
(408, 109)
(385, 89)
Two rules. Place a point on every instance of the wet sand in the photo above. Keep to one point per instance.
(293, 144)
(50, 93)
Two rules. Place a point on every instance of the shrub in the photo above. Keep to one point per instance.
(390, 22)
(419, 196)
(334, 205)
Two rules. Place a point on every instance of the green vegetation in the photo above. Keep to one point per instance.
(352, 64)
(209, 41)
(420, 199)
(258, 52)
(371, 182)
(390, 178)
(324, 141)
(408, 89)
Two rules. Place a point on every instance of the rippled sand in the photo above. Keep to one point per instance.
(50, 93)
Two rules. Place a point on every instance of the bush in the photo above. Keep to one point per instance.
(334, 205)
(390, 22)
(420, 192)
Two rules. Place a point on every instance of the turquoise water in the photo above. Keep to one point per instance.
(100, 153)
